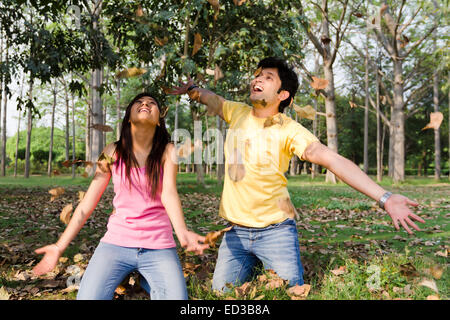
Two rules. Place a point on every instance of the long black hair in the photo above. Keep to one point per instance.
(124, 147)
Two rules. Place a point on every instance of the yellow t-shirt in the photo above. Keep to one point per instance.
(257, 153)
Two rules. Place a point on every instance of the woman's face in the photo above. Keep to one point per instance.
(144, 111)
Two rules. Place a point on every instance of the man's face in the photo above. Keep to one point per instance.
(264, 87)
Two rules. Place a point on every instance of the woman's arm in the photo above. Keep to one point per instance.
(81, 214)
(172, 203)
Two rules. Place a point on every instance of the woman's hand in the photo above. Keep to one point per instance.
(190, 240)
(49, 261)
(397, 206)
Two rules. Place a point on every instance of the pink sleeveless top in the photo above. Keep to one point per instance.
(139, 221)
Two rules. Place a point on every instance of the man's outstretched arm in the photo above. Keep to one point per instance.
(397, 206)
(213, 102)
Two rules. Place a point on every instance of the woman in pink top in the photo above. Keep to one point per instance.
(143, 168)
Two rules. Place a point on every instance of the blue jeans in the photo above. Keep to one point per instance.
(110, 264)
(276, 246)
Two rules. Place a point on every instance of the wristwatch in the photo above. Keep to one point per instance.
(383, 199)
(192, 87)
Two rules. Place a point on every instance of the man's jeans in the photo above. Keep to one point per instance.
(110, 264)
(276, 246)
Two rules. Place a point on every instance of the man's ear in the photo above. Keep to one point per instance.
(283, 95)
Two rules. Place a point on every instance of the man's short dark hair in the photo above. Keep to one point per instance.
(289, 79)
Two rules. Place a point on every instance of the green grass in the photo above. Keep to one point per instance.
(337, 227)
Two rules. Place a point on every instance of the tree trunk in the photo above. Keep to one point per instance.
(119, 118)
(66, 97)
(52, 127)
(366, 105)
(29, 129)
(198, 143)
(18, 128)
(73, 134)
(330, 110)
(398, 123)
(379, 145)
(437, 133)
(5, 108)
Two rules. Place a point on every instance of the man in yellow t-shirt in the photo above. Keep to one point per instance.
(259, 144)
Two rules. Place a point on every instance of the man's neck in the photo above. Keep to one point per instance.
(264, 112)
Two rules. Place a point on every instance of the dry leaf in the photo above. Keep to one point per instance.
(56, 192)
(120, 290)
(66, 163)
(197, 43)
(4, 295)
(270, 121)
(275, 283)
(213, 236)
(139, 11)
(238, 2)
(243, 290)
(102, 127)
(78, 257)
(318, 84)
(352, 104)
(161, 42)
(383, 8)
(56, 172)
(299, 292)
(307, 112)
(65, 214)
(131, 72)
(216, 6)
(81, 195)
(437, 272)
(257, 72)
(433, 297)
(435, 121)
(339, 271)
(210, 72)
(218, 74)
(429, 284)
(443, 253)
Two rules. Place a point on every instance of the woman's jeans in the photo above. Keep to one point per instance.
(110, 264)
(276, 246)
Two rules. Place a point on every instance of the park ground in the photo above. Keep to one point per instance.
(349, 247)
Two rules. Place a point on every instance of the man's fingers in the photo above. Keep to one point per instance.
(403, 223)
(412, 224)
(417, 218)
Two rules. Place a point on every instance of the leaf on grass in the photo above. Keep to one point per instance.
(306, 112)
(435, 121)
(298, 292)
(243, 290)
(429, 284)
(56, 192)
(4, 295)
(443, 253)
(437, 272)
(78, 257)
(339, 271)
(433, 297)
(66, 213)
(213, 236)
(197, 43)
(102, 127)
(318, 84)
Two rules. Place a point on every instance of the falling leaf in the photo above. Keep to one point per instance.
(238, 2)
(435, 121)
(383, 99)
(318, 83)
(210, 72)
(65, 213)
(66, 163)
(102, 127)
(358, 14)
(161, 42)
(277, 119)
(339, 271)
(131, 72)
(429, 284)
(257, 72)
(218, 74)
(197, 43)
(352, 104)
(213, 236)
(56, 172)
(383, 8)
(306, 112)
(56, 192)
(139, 11)
(216, 6)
